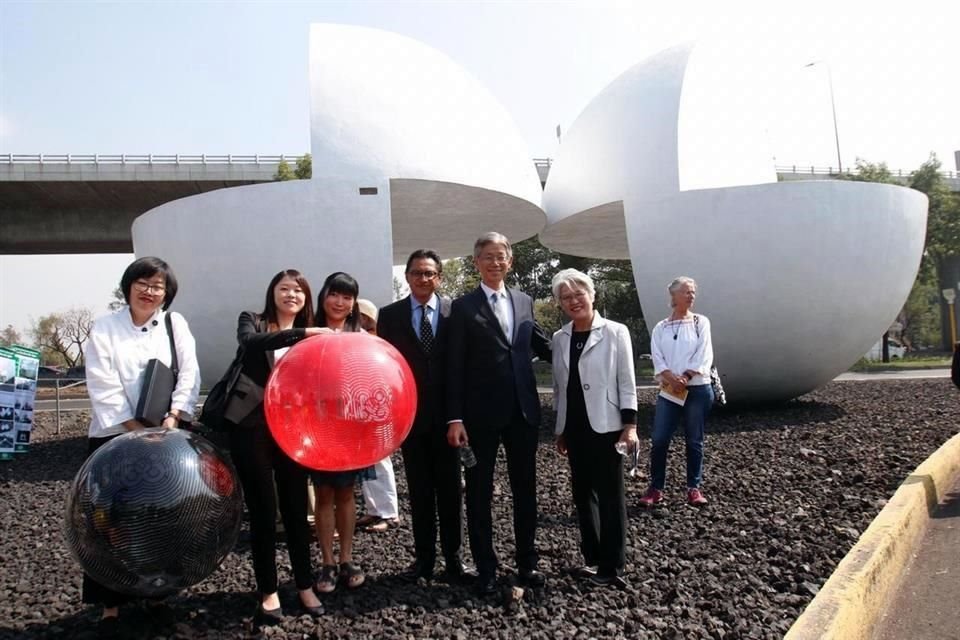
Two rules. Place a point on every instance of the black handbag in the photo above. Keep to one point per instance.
(213, 412)
(159, 381)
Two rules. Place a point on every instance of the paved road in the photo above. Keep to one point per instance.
(927, 603)
(79, 404)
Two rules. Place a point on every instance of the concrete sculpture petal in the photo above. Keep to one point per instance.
(408, 151)
(798, 278)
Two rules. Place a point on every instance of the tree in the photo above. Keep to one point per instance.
(118, 301)
(61, 336)
(870, 172)
(943, 233)
(303, 169)
(10, 336)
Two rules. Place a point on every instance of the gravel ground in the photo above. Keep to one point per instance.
(791, 489)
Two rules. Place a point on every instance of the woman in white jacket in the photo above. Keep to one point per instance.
(595, 396)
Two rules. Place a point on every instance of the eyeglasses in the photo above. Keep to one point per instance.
(500, 258)
(567, 298)
(429, 275)
(146, 287)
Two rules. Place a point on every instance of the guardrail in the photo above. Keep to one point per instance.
(255, 159)
(832, 171)
(151, 158)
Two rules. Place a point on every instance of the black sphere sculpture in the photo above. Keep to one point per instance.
(153, 511)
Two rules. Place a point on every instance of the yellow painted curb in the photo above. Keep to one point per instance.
(856, 595)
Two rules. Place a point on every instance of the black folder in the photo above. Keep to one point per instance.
(158, 384)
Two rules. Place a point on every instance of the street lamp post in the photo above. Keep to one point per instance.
(833, 108)
(950, 295)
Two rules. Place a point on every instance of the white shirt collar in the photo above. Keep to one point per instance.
(431, 303)
(489, 292)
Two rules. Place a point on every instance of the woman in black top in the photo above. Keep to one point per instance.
(265, 471)
(595, 395)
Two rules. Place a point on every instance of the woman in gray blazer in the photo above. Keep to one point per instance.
(595, 397)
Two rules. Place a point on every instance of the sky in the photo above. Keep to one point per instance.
(231, 77)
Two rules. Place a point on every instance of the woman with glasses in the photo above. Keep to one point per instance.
(595, 396)
(116, 355)
(266, 472)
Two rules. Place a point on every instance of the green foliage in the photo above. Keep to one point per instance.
(869, 172)
(302, 171)
(548, 315)
(920, 315)
(943, 218)
(304, 168)
(459, 277)
(284, 172)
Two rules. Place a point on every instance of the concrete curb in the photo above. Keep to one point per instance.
(855, 597)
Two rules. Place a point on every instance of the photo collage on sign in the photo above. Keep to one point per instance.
(19, 369)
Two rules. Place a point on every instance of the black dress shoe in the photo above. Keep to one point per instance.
(457, 570)
(313, 612)
(532, 578)
(486, 585)
(418, 570)
(267, 617)
(608, 580)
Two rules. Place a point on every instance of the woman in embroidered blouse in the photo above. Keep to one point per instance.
(116, 355)
(682, 353)
(595, 396)
(265, 471)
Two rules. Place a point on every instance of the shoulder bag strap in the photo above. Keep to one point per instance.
(174, 363)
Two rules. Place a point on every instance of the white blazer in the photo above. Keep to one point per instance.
(606, 374)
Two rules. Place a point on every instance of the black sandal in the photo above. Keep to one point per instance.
(327, 582)
(351, 575)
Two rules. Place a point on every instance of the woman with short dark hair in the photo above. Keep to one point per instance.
(266, 472)
(116, 355)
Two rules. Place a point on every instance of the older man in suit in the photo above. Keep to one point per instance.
(492, 398)
(417, 327)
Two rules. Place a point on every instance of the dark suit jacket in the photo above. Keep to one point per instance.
(258, 347)
(487, 372)
(395, 325)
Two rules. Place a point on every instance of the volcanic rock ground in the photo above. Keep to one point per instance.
(791, 489)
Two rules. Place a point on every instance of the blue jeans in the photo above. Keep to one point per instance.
(693, 414)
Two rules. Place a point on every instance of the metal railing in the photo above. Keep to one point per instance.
(811, 170)
(256, 159)
(148, 159)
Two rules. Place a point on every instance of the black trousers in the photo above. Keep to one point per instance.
(260, 463)
(433, 481)
(92, 591)
(596, 473)
(519, 440)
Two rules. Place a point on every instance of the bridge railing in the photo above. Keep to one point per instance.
(255, 159)
(151, 158)
(832, 171)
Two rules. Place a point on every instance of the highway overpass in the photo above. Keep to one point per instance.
(58, 204)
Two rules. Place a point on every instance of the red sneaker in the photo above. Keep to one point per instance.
(651, 497)
(695, 497)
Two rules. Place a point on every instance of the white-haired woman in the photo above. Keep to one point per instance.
(595, 396)
(682, 353)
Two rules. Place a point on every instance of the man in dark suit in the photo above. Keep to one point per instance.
(417, 327)
(492, 398)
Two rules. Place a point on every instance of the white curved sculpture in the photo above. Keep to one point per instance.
(798, 278)
(408, 150)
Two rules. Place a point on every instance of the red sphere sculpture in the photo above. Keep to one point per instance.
(340, 401)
